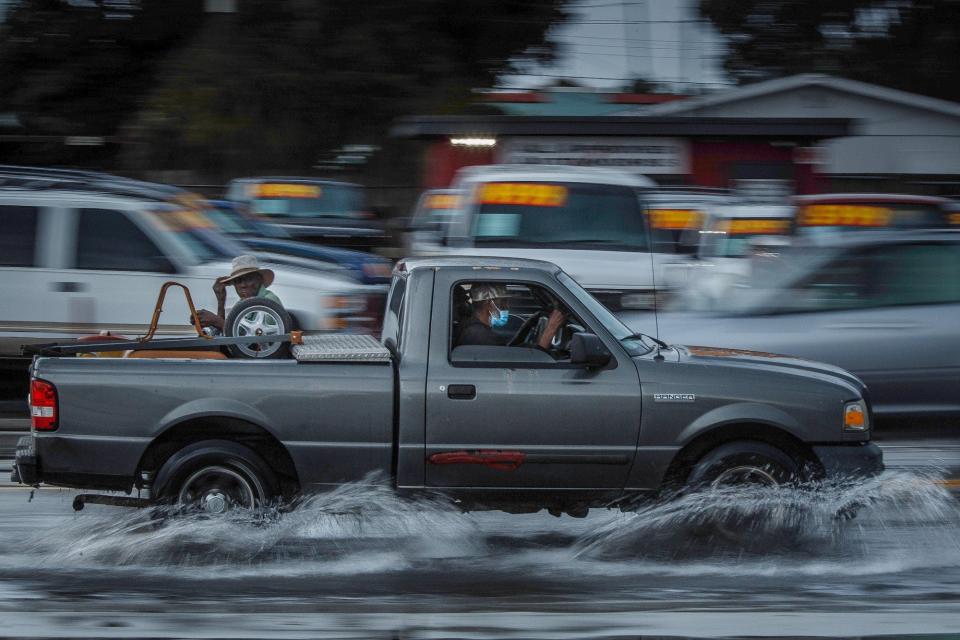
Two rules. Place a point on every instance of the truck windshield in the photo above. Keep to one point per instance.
(620, 331)
(559, 215)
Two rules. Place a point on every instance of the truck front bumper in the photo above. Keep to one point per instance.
(25, 464)
(850, 460)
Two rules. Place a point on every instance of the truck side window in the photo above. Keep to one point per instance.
(511, 317)
(108, 240)
(19, 237)
(393, 319)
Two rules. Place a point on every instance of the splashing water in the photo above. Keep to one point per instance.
(894, 522)
(903, 521)
(366, 518)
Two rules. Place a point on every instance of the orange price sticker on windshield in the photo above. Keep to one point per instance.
(443, 201)
(274, 190)
(845, 215)
(756, 226)
(676, 219)
(523, 194)
(183, 220)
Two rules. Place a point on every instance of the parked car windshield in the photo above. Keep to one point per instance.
(197, 236)
(436, 210)
(732, 237)
(311, 201)
(559, 215)
(823, 219)
(882, 276)
(767, 283)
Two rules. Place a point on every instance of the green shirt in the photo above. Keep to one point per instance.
(269, 295)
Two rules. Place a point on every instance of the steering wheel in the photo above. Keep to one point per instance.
(520, 336)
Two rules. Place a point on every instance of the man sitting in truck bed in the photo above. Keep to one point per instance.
(249, 281)
(489, 304)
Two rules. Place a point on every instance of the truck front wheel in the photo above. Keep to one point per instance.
(213, 477)
(744, 463)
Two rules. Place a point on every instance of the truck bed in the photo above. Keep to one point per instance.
(333, 413)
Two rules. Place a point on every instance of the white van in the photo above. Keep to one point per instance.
(589, 221)
(735, 241)
(77, 262)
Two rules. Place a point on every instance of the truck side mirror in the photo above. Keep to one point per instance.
(588, 350)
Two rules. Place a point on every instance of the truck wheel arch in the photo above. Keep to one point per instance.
(708, 440)
(741, 413)
(221, 427)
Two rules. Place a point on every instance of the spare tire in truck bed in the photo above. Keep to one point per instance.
(255, 317)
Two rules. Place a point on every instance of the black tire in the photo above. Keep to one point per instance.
(739, 520)
(744, 462)
(216, 476)
(258, 316)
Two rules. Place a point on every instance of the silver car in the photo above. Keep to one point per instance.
(883, 305)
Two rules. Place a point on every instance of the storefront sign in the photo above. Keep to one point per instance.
(636, 155)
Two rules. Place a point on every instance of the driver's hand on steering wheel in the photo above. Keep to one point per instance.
(555, 321)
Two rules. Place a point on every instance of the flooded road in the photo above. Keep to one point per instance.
(360, 562)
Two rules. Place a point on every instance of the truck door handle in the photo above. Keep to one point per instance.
(68, 287)
(461, 392)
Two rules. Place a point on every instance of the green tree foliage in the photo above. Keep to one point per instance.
(78, 68)
(274, 85)
(909, 45)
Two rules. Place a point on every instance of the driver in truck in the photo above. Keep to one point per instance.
(489, 304)
(249, 281)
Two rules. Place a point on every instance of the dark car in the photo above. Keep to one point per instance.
(265, 237)
(320, 211)
(883, 305)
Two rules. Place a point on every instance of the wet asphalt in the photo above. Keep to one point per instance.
(359, 562)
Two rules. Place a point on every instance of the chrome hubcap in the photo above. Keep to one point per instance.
(214, 502)
(216, 490)
(259, 321)
(744, 475)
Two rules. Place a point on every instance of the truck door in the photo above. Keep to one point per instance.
(525, 418)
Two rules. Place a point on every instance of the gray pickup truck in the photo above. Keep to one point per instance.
(600, 417)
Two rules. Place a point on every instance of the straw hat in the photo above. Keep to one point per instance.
(483, 292)
(243, 265)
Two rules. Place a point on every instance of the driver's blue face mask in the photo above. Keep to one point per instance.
(499, 316)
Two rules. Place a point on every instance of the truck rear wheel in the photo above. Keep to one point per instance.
(214, 477)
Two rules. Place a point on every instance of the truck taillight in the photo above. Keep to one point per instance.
(43, 405)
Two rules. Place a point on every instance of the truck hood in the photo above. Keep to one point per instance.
(770, 361)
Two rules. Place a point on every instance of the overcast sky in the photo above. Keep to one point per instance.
(607, 42)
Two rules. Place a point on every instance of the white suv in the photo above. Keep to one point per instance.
(589, 221)
(76, 261)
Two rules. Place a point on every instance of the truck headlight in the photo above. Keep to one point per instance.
(855, 417)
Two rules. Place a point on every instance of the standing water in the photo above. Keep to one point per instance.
(361, 550)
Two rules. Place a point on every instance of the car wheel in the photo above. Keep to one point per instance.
(747, 517)
(215, 477)
(258, 317)
(744, 463)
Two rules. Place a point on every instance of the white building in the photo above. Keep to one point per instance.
(903, 141)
